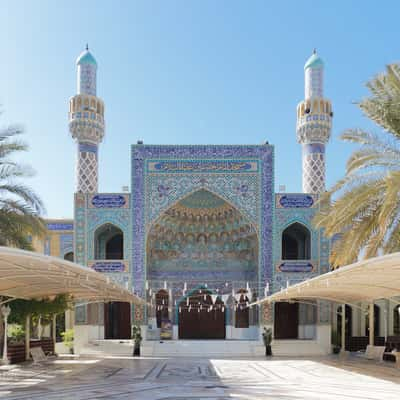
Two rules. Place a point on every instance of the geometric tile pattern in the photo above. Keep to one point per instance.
(251, 193)
(314, 173)
(87, 172)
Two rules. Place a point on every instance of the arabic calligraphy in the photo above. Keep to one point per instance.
(296, 201)
(296, 267)
(109, 266)
(201, 166)
(108, 201)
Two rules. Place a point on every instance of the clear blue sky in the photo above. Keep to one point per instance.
(182, 72)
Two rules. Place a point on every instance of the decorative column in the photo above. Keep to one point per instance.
(314, 123)
(343, 328)
(27, 337)
(86, 123)
(5, 312)
(54, 331)
(371, 324)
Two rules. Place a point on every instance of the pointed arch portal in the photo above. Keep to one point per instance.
(201, 238)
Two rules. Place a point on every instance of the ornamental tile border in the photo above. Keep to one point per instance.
(146, 186)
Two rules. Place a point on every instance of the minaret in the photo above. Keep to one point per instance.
(314, 123)
(86, 123)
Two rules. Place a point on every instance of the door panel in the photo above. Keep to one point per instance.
(200, 323)
(286, 321)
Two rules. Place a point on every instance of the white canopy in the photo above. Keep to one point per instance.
(363, 281)
(28, 275)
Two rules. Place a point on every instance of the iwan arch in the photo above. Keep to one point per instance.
(204, 219)
(202, 232)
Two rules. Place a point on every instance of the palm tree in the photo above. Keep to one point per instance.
(362, 210)
(20, 207)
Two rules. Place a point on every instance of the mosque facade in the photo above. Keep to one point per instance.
(202, 233)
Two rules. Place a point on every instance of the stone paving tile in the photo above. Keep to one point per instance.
(201, 379)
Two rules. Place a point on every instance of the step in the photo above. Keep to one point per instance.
(108, 347)
(288, 347)
(203, 348)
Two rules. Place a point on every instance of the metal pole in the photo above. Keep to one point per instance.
(371, 324)
(54, 326)
(386, 323)
(5, 311)
(343, 327)
(5, 351)
(27, 336)
(39, 327)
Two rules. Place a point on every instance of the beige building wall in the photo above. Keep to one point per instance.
(51, 244)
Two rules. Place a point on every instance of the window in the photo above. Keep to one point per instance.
(296, 243)
(109, 243)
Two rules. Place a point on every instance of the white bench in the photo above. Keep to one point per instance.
(38, 355)
(374, 353)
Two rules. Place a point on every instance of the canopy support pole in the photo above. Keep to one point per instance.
(371, 324)
(343, 328)
(53, 329)
(27, 337)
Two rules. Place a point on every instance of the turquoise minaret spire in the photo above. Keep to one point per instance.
(86, 122)
(314, 124)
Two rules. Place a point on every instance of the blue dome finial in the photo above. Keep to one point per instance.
(314, 61)
(86, 57)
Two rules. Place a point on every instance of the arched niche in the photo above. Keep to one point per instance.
(202, 232)
(162, 300)
(109, 243)
(296, 242)
(69, 256)
(242, 309)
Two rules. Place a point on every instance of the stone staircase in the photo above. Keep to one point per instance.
(297, 348)
(107, 347)
(203, 348)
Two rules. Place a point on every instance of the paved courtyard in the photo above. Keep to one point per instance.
(208, 379)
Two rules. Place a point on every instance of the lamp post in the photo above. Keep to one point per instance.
(5, 312)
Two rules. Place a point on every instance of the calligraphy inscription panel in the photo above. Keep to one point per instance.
(201, 166)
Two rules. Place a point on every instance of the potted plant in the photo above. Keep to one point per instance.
(137, 339)
(335, 340)
(267, 338)
(68, 339)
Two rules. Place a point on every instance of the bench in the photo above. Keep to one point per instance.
(38, 355)
(374, 352)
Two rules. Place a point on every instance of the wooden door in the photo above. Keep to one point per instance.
(200, 322)
(286, 321)
(117, 320)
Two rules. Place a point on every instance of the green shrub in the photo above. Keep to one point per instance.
(136, 335)
(16, 333)
(68, 339)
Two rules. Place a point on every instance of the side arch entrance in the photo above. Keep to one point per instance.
(109, 245)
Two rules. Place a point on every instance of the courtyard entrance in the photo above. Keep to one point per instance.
(117, 320)
(286, 320)
(201, 255)
(200, 318)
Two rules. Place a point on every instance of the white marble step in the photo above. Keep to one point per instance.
(288, 347)
(203, 348)
(108, 347)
